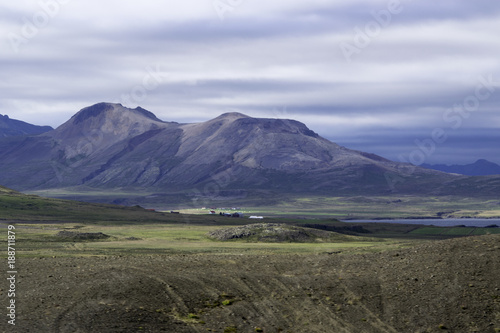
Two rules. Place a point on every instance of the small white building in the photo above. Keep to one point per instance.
(256, 217)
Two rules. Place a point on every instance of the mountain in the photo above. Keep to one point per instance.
(11, 127)
(479, 168)
(110, 147)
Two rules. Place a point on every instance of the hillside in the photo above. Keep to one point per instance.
(110, 147)
(12, 127)
(15, 206)
(7, 191)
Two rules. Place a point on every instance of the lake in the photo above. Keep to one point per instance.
(437, 222)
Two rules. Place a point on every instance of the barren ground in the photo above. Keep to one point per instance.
(440, 286)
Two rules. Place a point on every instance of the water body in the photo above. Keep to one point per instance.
(438, 222)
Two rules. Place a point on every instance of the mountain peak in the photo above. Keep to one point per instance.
(231, 116)
(104, 110)
(146, 113)
(93, 111)
(106, 124)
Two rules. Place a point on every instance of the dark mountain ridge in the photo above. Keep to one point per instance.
(109, 147)
(12, 127)
(481, 167)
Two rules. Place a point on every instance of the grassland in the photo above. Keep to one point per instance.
(41, 240)
(135, 230)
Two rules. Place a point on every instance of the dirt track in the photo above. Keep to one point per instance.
(445, 286)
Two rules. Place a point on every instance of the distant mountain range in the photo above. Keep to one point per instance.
(109, 147)
(479, 168)
(11, 127)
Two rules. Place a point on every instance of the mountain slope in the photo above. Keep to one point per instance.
(108, 146)
(479, 168)
(11, 127)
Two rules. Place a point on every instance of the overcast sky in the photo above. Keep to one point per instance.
(409, 80)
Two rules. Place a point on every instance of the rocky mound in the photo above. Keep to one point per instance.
(82, 235)
(274, 232)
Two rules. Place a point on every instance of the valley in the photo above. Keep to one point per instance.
(297, 205)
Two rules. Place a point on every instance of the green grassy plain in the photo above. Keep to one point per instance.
(137, 231)
(41, 240)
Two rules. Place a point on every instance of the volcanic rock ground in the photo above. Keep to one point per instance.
(440, 286)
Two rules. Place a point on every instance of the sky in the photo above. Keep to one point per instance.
(412, 81)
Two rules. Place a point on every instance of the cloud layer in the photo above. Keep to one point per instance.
(372, 75)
